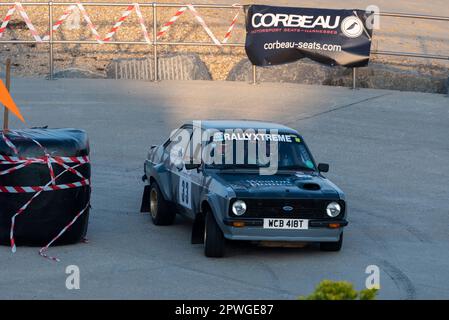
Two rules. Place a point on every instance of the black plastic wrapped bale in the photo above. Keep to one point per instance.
(51, 210)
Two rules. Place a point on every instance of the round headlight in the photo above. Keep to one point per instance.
(239, 207)
(333, 209)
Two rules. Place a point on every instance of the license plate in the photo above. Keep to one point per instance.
(289, 224)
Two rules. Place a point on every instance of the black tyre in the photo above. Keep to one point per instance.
(214, 240)
(159, 207)
(332, 246)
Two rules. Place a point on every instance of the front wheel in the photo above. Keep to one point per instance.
(332, 246)
(214, 240)
(159, 208)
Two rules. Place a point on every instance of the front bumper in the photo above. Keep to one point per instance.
(319, 231)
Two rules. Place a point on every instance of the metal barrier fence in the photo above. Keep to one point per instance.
(154, 42)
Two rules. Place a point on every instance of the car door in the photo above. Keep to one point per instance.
(193, 179)
(180, 177)
(171, 153)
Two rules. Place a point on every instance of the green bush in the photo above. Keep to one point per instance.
(339, 290)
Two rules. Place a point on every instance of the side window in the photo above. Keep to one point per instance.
(194, 148)
(176, 148)
(305, 156)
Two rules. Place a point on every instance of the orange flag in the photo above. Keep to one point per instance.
(8, 102)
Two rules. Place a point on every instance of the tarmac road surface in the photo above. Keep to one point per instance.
(388, 150)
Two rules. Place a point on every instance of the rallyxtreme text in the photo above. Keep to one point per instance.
(205, 153)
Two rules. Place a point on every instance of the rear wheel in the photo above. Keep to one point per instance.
(332, 246)
(159, 208)
(214, 240)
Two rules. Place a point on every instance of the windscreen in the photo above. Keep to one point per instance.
(255, 150)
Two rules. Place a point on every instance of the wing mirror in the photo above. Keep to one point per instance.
(323, 167)
(192, 166)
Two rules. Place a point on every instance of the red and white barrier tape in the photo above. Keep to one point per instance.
(166, 26)
(18, 167)
(89, 23)
(142, 23)
(231, 27)
(52, 177)
(9, 143)
(25, 206)
(134, 6)
(28, 22)
(37, 190)
(6, 20)
(18, 6)
(117, 25)
(45, 249)
(60, 21)
(47, 157)
(126, 13)
(15, 160)
(203, 24)
(47, 187)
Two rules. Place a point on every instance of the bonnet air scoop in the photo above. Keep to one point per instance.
(309, 186)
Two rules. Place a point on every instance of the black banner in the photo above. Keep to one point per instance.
(277, 35)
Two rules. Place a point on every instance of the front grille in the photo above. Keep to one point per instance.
(302, 208)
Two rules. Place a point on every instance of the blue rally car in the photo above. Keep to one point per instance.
(243, 180)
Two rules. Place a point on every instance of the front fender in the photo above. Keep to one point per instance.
(161, 175)
(219, 206)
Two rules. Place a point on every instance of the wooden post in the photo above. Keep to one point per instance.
(8, 85)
